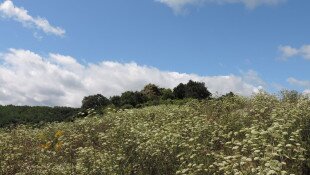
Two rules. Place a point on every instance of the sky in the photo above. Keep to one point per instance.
(56, 52)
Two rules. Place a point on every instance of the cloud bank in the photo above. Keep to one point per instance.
(290, 52)
(10, 11)
(27, 78)
(179, 5)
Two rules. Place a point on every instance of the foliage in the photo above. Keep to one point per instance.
(193, 89)
(179, 91)
(132, 98)
(197, 90)
(116, 101)
(166, 94)
(14, 115)
(290, 95)
(150, 95)
(231, 135)
(151, 91)
(95, 102)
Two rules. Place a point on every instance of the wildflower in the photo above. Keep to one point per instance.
(58, 146)
(235, 147)
(271, 172)
(249, 159)
(59, 133)
(283, 172)
(288, 145)
(46, 146)
(256, 158)
(254, 132)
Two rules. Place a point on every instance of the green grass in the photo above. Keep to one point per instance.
(234, 135)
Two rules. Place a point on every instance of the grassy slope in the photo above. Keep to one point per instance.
(236, 135)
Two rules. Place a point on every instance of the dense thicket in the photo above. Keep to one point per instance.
(236, 135)
(14, 115)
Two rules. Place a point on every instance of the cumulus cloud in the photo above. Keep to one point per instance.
(27, 78)
(289, 52)
(10, 11)
(179, 5)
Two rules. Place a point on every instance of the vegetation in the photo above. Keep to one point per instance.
(95, 101)
(150, 95)
(263, 134)
(14, 115)
(151, 92)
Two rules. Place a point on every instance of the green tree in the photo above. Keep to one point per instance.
(132, 98)
(140, 97)
(116, 101)
(290, 96)
(128, 97)
(196, 90)
(179, 91)
(166, 94)
(227, 95)
(151, 91)
(95, 102)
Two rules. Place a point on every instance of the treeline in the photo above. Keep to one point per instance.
(150, 95)
(14, 115)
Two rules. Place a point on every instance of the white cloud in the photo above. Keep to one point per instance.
(27, 78)
(301, 83)
(253, 78)
(306, 92)
(305, 84)
(289, 52)
(9, 10)
(179, 5)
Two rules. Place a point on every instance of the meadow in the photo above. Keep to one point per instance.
(262, 134)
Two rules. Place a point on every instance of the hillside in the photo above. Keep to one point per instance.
(230, 135)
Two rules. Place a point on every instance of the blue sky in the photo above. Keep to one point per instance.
(264, 45)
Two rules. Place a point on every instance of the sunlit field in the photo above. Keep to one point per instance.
(231, 135)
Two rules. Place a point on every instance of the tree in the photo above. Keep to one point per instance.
(95, 102)
(196, 90)
(179, 91)
(192, 89)
(116, 101)
(290, 96)
(128, 97)
(140, 97)
(151, 91)
(166, 94)
(227, 95)
(132, 98)
(230, 94)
